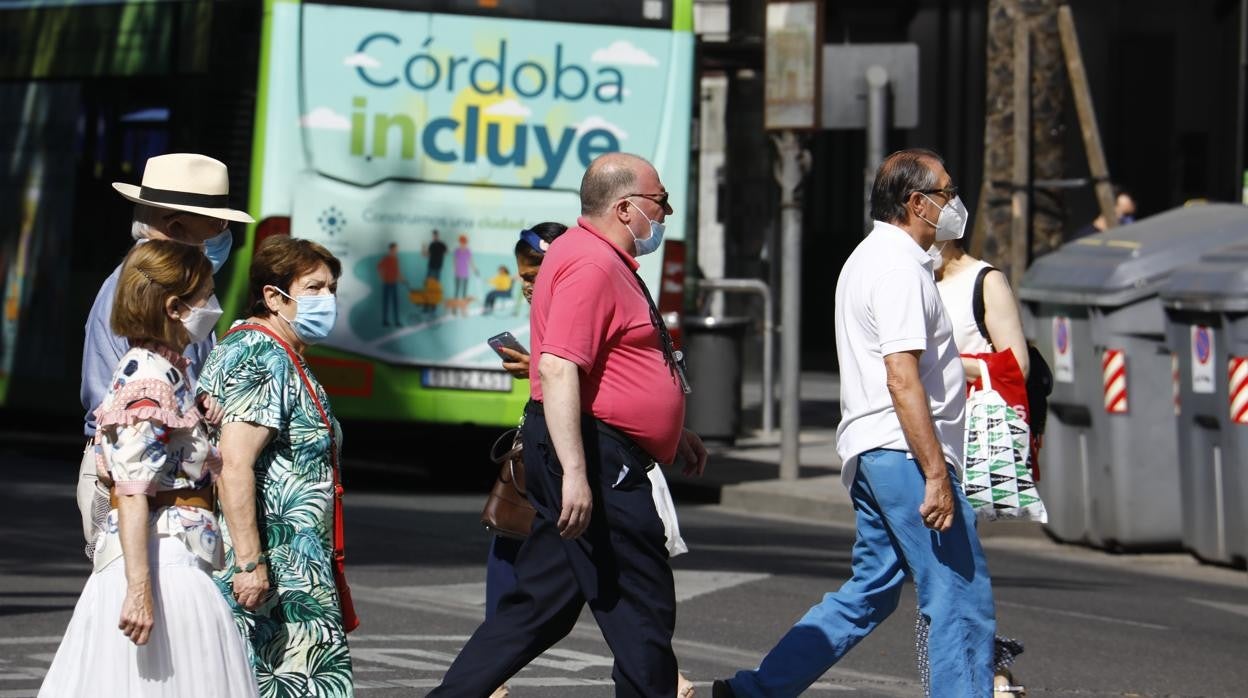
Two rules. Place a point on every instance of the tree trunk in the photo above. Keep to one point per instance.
(992, 239)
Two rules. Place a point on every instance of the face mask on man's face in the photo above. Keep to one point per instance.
(217, 249)
(951, 221)
(647, 245)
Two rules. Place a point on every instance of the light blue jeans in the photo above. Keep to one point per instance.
(949, 572)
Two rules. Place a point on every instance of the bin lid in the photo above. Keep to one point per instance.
(1132, 262)
(1218, 282)
(708, 322)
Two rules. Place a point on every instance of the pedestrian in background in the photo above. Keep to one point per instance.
(500, 566)
(900, 439)
(150, 622)
(184, 198)
(607, 404)
(1124, 211)
(279, 444)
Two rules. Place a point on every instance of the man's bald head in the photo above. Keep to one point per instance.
(609, 178)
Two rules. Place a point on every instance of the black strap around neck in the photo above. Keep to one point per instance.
(675, 359)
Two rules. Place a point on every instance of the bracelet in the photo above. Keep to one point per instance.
(251, 566)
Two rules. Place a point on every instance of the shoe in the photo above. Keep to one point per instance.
(1003, 686)
(721, 689)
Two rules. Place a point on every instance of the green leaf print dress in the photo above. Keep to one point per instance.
(295, 638)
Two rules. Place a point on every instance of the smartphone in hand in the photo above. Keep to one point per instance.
(506, 339)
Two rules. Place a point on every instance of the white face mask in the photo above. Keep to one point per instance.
(200, 322)
(951, 223)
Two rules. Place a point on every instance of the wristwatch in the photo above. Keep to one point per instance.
(251, 566)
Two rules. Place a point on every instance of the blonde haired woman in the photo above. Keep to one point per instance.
(150, 622)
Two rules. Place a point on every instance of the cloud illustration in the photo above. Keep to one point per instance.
(508, 107)
(361, 60)
(595, 122)
(326, 118)
(622, 52)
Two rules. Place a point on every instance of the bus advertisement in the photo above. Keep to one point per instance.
(435, 139)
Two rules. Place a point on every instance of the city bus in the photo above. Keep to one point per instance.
(430, 130)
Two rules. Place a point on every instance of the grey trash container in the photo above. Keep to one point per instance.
(1109, 467)
(1207, 314)
(713, 347)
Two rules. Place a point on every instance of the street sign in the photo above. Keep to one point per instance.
(1203, 380)
(791, 60)
(1063, 357)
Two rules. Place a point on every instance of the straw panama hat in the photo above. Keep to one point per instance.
(185, 182)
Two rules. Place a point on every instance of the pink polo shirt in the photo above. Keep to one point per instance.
(589, 309)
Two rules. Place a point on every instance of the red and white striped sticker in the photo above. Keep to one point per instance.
(1238, 383)
(1114, 380)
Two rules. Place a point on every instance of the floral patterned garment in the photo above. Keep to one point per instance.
(151, 438)
(296, 638)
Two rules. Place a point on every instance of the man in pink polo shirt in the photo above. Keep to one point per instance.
(608, 403)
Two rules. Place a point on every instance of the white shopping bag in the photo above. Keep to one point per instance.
(997, 480)
(667, 512)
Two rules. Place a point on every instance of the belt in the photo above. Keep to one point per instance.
(201, 498)
(606, 430)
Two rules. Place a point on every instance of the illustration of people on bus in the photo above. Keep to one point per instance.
(436, 252)
(463, 265)
(391, 277)
(500, 288)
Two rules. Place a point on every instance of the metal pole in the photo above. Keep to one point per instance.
(877, 128)
(791, 165)
(769, 332)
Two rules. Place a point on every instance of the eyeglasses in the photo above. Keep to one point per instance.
(660, 199)
(949, 192)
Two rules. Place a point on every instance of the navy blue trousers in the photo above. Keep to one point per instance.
(618, 566)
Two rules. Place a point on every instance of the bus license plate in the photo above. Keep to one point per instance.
(466, 379)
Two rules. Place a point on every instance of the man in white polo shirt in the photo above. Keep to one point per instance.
(900, 438)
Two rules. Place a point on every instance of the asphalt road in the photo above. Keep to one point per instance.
(1093, 624)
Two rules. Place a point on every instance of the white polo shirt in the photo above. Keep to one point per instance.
(887, 302)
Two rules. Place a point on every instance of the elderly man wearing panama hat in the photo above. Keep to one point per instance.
(184, 197)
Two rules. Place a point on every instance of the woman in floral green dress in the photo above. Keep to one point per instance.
(277, 484)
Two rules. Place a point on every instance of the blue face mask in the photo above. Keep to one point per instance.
(314, 318)
(217, 249)
(652, 243)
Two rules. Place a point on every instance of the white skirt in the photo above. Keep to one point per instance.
(194, 649)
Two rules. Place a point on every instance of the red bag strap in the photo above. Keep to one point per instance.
(339, 551)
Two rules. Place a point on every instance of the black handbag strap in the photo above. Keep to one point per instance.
(977, 303)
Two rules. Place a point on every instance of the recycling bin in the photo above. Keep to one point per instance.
(714, 349)
(1109, 466)
(1207, 319)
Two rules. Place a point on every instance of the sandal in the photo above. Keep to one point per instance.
(1003, 685)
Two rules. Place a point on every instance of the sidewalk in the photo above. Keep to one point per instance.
(745, 476)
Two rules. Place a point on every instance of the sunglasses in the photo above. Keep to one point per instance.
(661, 199)
(948, 192)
